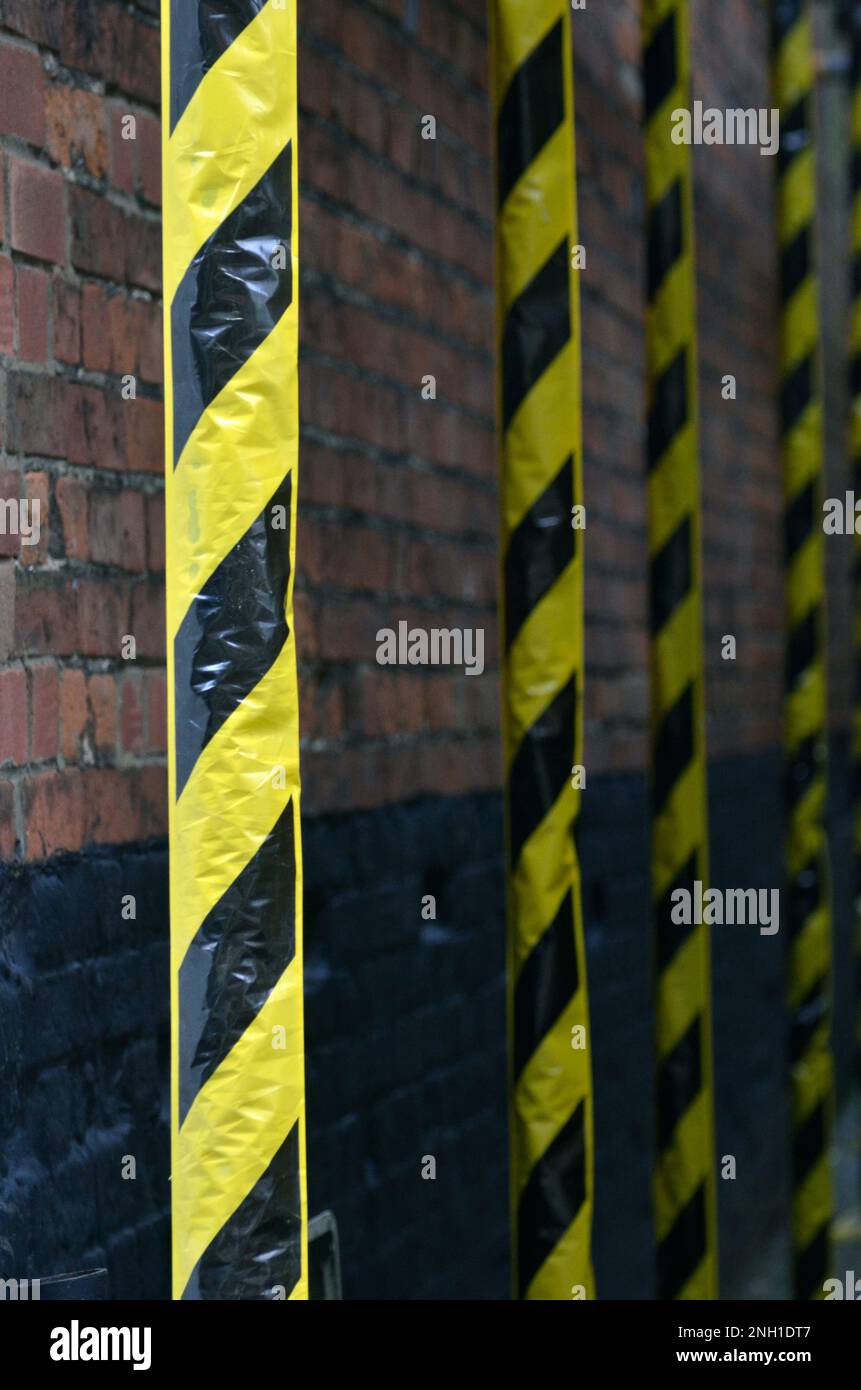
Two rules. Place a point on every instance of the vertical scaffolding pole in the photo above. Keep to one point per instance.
(231, 329)
(802, 448)
(542, 645)
(684, 1178)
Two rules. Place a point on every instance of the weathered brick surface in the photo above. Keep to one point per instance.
(80, 315)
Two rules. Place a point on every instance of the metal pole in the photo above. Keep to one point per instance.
(231, 330)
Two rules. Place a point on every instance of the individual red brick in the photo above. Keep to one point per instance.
(10, 491)
(123, 150)
(73, 711)
(103, 617)
(125, 805)
(8, 844)
(149, 141)
(7, 306)
(99, 233)
(76, 132)
(13, 716)
(102, 694)
(118, 529)
(142, 422)
(72, 502)
(54, 810)
(156, 686)
(36, 550)
(38, 198)
(132, 714)
(67, 321)
(96, 346)
(155, 533)
(32, 314)
(148, 619)
(22, 94)
(44, 712)
(46, 614)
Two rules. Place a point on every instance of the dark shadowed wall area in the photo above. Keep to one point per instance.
(401, 769)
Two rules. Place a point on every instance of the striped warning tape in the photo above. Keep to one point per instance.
(231, 337)
(809, 972)
(684, 1179)
(542, 631)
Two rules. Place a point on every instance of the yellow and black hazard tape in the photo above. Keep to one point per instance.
(542, 632)
(855, 447)
(802, 449)
(231, 340)
(684, 1178)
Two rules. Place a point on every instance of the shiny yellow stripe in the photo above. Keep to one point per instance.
(542, 435)
(669, 316)
(238, 454)
(680, 991)
(224, 141)
(528, 242)
(252, 1102)
(542, 660)
(793, 63)
(241, 783)
(796, 199)
(810, 957)
(799, 332)
(678, 1170)
(545, 871)
(678, 830)
(551, 1086)
(673, 647)
(553, 1282)
(673, 489)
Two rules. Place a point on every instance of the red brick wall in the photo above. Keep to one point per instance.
(82, 731)
(398, 495)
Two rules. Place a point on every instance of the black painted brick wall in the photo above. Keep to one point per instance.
(405, 1034)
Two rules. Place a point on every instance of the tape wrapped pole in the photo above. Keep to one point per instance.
(802, 450)
(855, 446)
(542, 642)
(684, 1178)
(231, 336)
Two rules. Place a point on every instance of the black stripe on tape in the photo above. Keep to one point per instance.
(537, 328)
(802, 649)
(233, 294)
(236, 958)
(795, 263)
(683, 1247)
(540, 549)
(811, 1013)
(201, 31)
(533, 109)
(669, 935)
(257, 1254)
(665, 237)
(547, 983)
(541, 768)
(661, 64)
(811, 1266)
(669, 410)
(799, 519)
(671, 573)
(805, 896)
(674, 748)
(808, 1143)
(552, 1197)
(680, 1080)
(233, 631)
